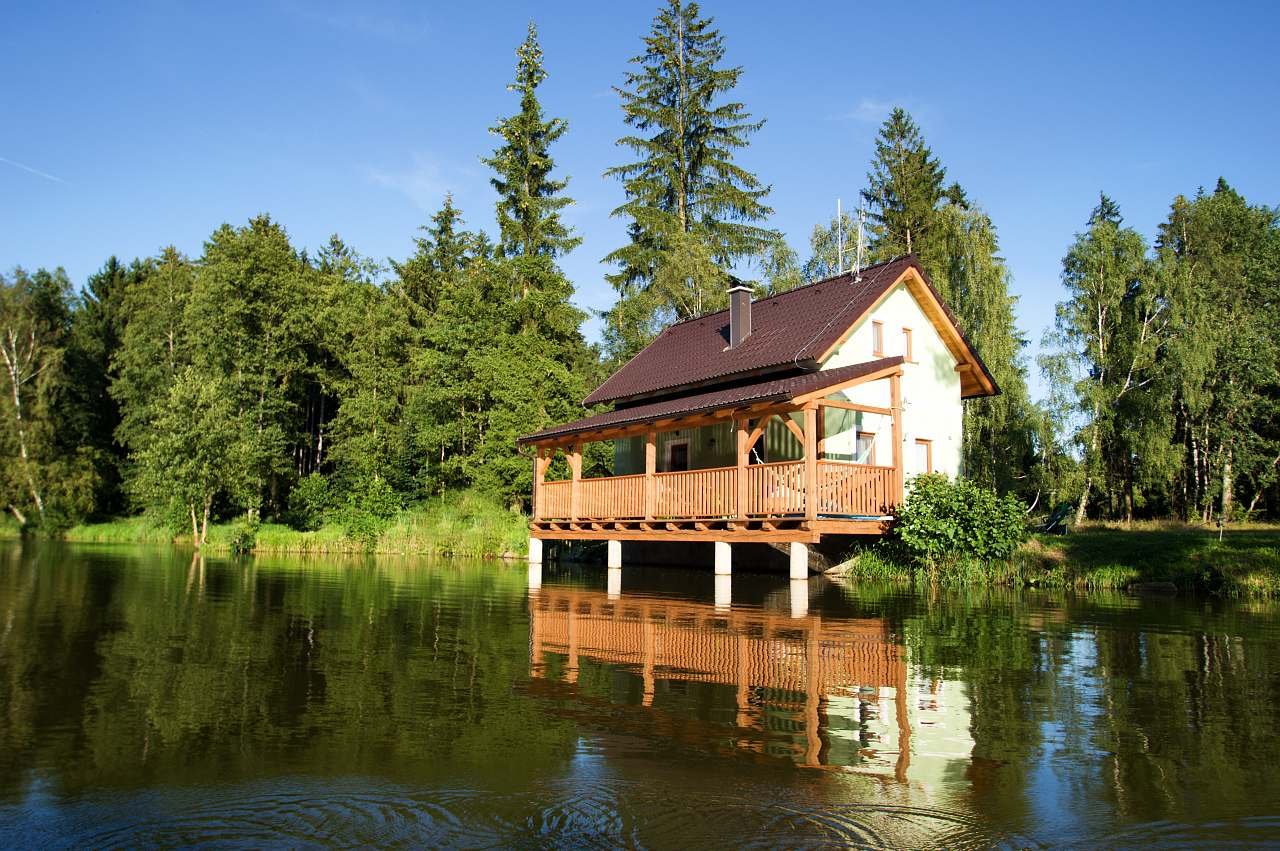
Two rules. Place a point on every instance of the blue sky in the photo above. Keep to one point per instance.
(134, 125)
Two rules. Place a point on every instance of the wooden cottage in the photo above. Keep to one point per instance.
(781, 421)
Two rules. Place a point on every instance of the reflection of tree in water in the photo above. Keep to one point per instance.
(1155, 709)
(125, 672)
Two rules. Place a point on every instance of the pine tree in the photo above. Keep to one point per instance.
(529, 200)
(693, 211)
(905, 186)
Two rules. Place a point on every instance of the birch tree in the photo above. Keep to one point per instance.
(1107, 335)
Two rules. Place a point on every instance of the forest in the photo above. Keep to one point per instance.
(265, 380)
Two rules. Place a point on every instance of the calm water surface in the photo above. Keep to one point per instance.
(146, 698)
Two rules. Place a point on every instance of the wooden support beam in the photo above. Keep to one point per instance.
(895, 396)
(650, 467)
(575, 467)
(811, 462)
(856, 406)
(743, 448)
(794, 429)
(538, 472)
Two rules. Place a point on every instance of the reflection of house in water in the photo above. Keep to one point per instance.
(816, 688)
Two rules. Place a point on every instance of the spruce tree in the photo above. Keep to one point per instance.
(529, 200)
(445, 250)
(693, 211)
(904, 187)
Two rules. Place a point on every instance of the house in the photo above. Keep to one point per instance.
(786, 420)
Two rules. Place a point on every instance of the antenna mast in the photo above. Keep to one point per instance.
(839, 239)
(862, 244)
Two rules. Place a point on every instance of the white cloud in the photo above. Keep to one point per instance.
(427, 180)
(874, 111)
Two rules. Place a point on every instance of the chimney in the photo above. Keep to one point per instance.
(739, 315)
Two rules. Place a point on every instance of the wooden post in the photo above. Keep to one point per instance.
(895, 404)
(650, 467)
(575, 466)
(539, 474)
(811, 461)
(741, 501)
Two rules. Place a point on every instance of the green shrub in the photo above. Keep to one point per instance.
(947, 522)
(244, 535)
(368, 510)
(310, 501)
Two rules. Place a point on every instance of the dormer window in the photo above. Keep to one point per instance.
(877, 339)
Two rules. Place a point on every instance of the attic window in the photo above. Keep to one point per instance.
(906, 345)
(877, 339)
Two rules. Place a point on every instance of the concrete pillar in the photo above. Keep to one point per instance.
(799, 560)
(615, 554)
(724, 591)
(614, 584)
(724, 558)
(799, 598)
(535, 576)
(535, 551)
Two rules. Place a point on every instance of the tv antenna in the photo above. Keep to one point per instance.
(860, 255)
(839, 239)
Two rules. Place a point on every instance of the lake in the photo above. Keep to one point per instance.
(149, 697)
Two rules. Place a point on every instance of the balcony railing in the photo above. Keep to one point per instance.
(844, 489)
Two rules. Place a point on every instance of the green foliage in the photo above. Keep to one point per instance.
(529, 201)
(243, 536)
(943, 521)
(47, 478)
(904, 187)
(196, 452)
(692, 210)
(368, 508)
(310, 502)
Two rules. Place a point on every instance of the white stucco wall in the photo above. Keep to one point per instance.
(931, 406)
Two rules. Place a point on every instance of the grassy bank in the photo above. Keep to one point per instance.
(461, 524)
(1246, 562)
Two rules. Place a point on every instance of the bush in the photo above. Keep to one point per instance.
(368, 510)
(244, 535)
(309, 502)
(943, 522)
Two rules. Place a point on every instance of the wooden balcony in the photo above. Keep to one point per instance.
(845, 490)
(792, 500)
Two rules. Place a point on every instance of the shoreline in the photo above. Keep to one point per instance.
(1145, 558)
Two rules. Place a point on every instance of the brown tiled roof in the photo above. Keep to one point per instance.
(790, 330)
(770, 390)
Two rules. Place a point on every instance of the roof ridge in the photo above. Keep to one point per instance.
(804, 286)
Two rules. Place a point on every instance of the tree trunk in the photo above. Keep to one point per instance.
(18, 515)
(204, 523)
(1084, 500)
(1228, 497)
(1088, 478)
(195, 527)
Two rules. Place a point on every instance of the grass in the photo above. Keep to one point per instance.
(1111, 557)
(462, 523)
